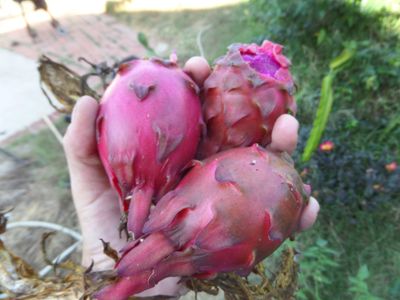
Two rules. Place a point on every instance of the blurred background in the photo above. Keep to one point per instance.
(353, 252)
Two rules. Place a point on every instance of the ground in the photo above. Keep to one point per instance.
(35, 184)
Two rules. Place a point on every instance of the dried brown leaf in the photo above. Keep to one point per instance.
(109, 251)
(65, 85)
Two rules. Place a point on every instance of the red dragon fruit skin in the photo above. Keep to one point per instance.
(148, 129)
(249, 88)
(226, 215)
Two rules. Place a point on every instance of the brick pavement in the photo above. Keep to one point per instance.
(96, 37)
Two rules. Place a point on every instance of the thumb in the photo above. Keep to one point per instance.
(310, 214)
(80, 138)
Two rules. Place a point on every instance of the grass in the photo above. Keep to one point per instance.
(44, 150)
(178, 30)
(366, 238)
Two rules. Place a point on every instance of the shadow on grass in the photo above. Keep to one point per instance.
(178, 30)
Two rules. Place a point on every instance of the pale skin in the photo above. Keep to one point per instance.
(94, 199)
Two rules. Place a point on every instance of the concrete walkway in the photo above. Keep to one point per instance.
(22, 101)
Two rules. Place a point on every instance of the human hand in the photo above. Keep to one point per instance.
(96, 202)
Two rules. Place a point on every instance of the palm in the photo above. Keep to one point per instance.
(100, 219)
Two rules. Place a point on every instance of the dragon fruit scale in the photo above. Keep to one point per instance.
(249, 88)
(148, 129)
(226, 215)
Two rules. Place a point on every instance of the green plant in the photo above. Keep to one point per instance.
(345, 179)
(142, 39)
(357, 238)
(358, 286)
(313, 31)
(326, 101)
(317, 261)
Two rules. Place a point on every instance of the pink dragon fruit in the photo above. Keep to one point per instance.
(226, 215)
(148, 129)
(249, 88)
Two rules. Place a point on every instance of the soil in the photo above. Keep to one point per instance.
(37, 190)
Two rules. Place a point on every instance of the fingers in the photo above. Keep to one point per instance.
(285, 134)
(198, 68)
(310, 214)
(80, 138)
(284, 138)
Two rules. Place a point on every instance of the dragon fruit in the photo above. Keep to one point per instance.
(226, 215)
(249, 88)
(148, 129)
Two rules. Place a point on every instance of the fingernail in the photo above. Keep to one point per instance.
(77, 105)
(75, 109)
(315, 204)
(307, 189)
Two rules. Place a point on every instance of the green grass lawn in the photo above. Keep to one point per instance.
(44, 151)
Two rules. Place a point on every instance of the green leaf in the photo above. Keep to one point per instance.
(324, 108)
(321, 36)
(322, 242)
(343, 58)
(142, 38)
(363, 272)
(331, 263)
(359, 287)
(393, 123)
